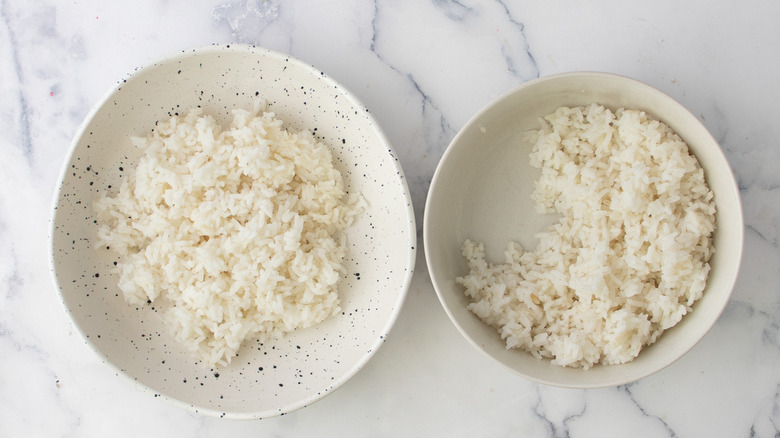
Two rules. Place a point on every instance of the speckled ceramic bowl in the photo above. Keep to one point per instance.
(481, 191)
(303, 366)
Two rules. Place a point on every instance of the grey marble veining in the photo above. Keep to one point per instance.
(423, 68)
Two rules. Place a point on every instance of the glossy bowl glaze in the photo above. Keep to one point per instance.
(481, 191)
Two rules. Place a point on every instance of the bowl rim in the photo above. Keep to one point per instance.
(427, 225)
(411, 227)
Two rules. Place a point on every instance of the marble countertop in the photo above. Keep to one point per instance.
(423, 68)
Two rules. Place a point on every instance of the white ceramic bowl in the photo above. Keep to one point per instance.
(481, 191)
(303, 366)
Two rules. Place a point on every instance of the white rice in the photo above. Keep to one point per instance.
(628, 257)
(236, 232)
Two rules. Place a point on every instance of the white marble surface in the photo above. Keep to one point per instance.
(423, 68)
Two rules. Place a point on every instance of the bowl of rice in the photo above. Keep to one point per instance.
(219, 232)
(584, 230)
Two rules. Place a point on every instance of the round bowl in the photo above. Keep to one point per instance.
(303, 366)
(481, 191)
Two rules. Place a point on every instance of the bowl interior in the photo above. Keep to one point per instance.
(279, 376)
(481, 191)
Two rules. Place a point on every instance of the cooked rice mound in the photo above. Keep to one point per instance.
(628, 257)
(236, 232)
